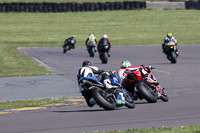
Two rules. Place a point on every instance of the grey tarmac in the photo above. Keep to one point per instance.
(181, 81)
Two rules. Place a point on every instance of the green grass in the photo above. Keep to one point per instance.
(7, 105)
(123, 28)
(76, 1)
(180, 129)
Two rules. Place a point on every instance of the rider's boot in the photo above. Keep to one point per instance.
(92, 101)
(107, 84)
(135, 97)
(138, 95)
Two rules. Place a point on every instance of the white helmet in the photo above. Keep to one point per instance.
(125, 64)
(91, 34)
(105, 36)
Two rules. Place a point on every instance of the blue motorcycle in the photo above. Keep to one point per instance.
(108, 99)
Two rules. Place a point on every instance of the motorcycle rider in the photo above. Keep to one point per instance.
(168, 39)
(91, 38)
(102, 76)
(105, 40)
(125, 74)
(68, 40)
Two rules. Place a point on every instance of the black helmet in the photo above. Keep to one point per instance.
(87, 63)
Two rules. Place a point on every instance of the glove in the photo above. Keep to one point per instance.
(111, 73)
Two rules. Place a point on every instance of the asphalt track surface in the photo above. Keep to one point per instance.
(181, 81)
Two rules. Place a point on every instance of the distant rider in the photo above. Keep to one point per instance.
(105, 40)
(102, 76)
(91, 39)
(167, 40)
(68, 41)
(125, 76)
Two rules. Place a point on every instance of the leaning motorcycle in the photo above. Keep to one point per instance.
(108, 99)
(170, 51)
(147, 86)
(91, 48)
(68, 45)
(103, 53)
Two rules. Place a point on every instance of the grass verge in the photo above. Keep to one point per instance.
(180, 129)
(7, 105)
(123, 27)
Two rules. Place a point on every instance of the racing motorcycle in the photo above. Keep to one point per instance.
(103, 53)
(91, 48)
(147, 86)
(108, 99)
(69, 45)
(170, 51)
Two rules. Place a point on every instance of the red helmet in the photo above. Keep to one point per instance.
(73, 36)
(87, 63)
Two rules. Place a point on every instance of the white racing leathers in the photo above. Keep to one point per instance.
(85, 72)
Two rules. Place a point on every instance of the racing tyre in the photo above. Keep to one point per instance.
(147, 92)
(66, 48)
(173, 57)
(99, 95)
(164, 97)
(92, 51)
(104, 59)
(128, 100)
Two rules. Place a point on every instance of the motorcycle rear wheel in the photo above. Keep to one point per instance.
(104, 58)
(146, 92)
(91, 52)
(99, 95)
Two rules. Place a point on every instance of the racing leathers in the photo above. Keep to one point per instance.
(70, 41)
(167, 40)
(105, 41)
(102, 76)
(91, 40)
(126, 82)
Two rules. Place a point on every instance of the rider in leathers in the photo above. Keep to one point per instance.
(102, 76)
(125, 76)
(91, 38)
(168, 39)
(105, 40)
(68, 40)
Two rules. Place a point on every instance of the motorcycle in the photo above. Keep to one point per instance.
(170, 51)
(91, 48)
(103, 53)
(68, 45)
(147, 86)
(108, 99)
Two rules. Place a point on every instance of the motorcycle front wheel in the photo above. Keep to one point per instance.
(128, 100)
(102, 99)
(164, 97)
(173, 57)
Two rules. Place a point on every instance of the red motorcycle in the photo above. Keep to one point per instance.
(147, 86)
